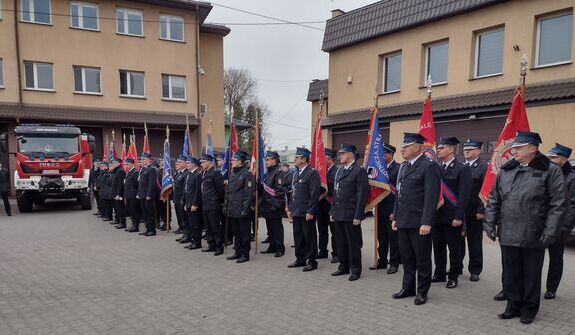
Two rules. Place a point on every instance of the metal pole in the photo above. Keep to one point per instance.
(256, 165)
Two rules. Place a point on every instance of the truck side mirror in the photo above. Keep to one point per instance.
(92, 143)
(4, 142)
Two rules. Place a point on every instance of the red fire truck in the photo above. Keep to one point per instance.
(52, 162)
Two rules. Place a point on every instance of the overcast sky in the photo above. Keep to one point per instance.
(282, 58)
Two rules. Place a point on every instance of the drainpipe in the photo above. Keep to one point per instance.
(198, 115)
(18, 61)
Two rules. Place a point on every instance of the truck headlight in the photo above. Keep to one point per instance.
(26, 184)
(77, 183)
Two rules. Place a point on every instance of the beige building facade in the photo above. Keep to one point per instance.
(471, 50)
(113, 65)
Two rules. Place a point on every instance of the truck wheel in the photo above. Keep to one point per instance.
(25, 203)
(39, 201)
(86, 201)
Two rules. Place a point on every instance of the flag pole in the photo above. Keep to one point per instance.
(375, 211)
(523, 73)
(257, 158)
(168, 228)
(229, 158)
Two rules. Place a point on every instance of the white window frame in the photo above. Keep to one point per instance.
(1, 10)
(476, 66)
(384, 70)
(84, 68)
(125, 19)
(427, 47)
(169, 19)
(129, 85)
(35, 73)
(2, 72)
(538, 39)
(81, 6)
(170, 93)
(33, 13)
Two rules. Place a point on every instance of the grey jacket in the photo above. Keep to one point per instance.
(527, 204)
(569, 174)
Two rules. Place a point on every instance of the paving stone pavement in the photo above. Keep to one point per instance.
(62, 271)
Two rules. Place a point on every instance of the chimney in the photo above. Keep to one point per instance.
(336, 12)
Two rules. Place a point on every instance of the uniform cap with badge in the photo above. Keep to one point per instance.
(302, 152)
(560, 150)
(412, 138)
(472, 144)
(443, 141)
(524, 138)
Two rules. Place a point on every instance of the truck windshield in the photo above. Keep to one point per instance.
(48, 146)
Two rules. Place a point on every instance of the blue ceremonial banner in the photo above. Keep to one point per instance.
(186, 148)
(167, 180)
(210, 146)
(226, 164)
(375, 164)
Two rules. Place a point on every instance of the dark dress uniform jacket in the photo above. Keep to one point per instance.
(475, 205)
(419, 186)
(386, 205)
(240, 193)
(325, 203)
(193, 189)
(527, 203)
(456, 176)
(118, 176)
(273, 206)
(131, 184)
(147, 183)
(93, 177)
(569, 174)
(213, 191)
(179, 186)
(306, 190)
(105, 183)
(4, 181)
(350, 193)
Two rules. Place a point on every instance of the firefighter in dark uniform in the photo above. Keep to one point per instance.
(418, 190)
(475, 210)
(213, 194)
(163, 210)
(238, 204)
(118, 177)
(272, 204)
(351, 188)
(92, 180)
(559, 155)
(448, 229)
(178, 198)
(100, 186)
(130, 193)
(387, 237)
(306, 190)
(193, 204)
(324, 224)
(147, 194)
(5, 189)
(527, 206)
(107, 194)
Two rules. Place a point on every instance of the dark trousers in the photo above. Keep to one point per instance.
(214, 229)
(415, 253)
(97, 197)
(474, 237)
(108, 209)
(555, 271)
(305, 238)
(149, 214)
(6, 203)
(194, 226)
(180, 214)
(387, 240)
(242, 236)
(134, 211)
(349, 243)
(276, 234)
(523, 268)
(445, 235)
(120, 209)
(324, 227)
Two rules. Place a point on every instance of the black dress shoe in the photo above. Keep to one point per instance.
(9, 214)
(106, 219)
(242, 260)
(438, 279)
(501, 296)
(309, 267)
(120, 226)
(508, 315)
(353, 277)
(232, 257)
(452, 283)
(474, 277)
(193, 246)
(403, 294)
(549, 295)
(133, 230)
(392, 269)
(340, 272)
(184, 241)
(526, 320)
(267, 240)
(218, 253)
(211, 249)
(163, 227)
(268, 251)
(378, 266)
(178, 231)
(296, 264)
(420, 299)
(150, 233)
(143, 233)
(97, 213)
(179, 238)
(334, 259)
(279, 254)
(322, 255)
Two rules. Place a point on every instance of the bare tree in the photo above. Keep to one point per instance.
(239, 89)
